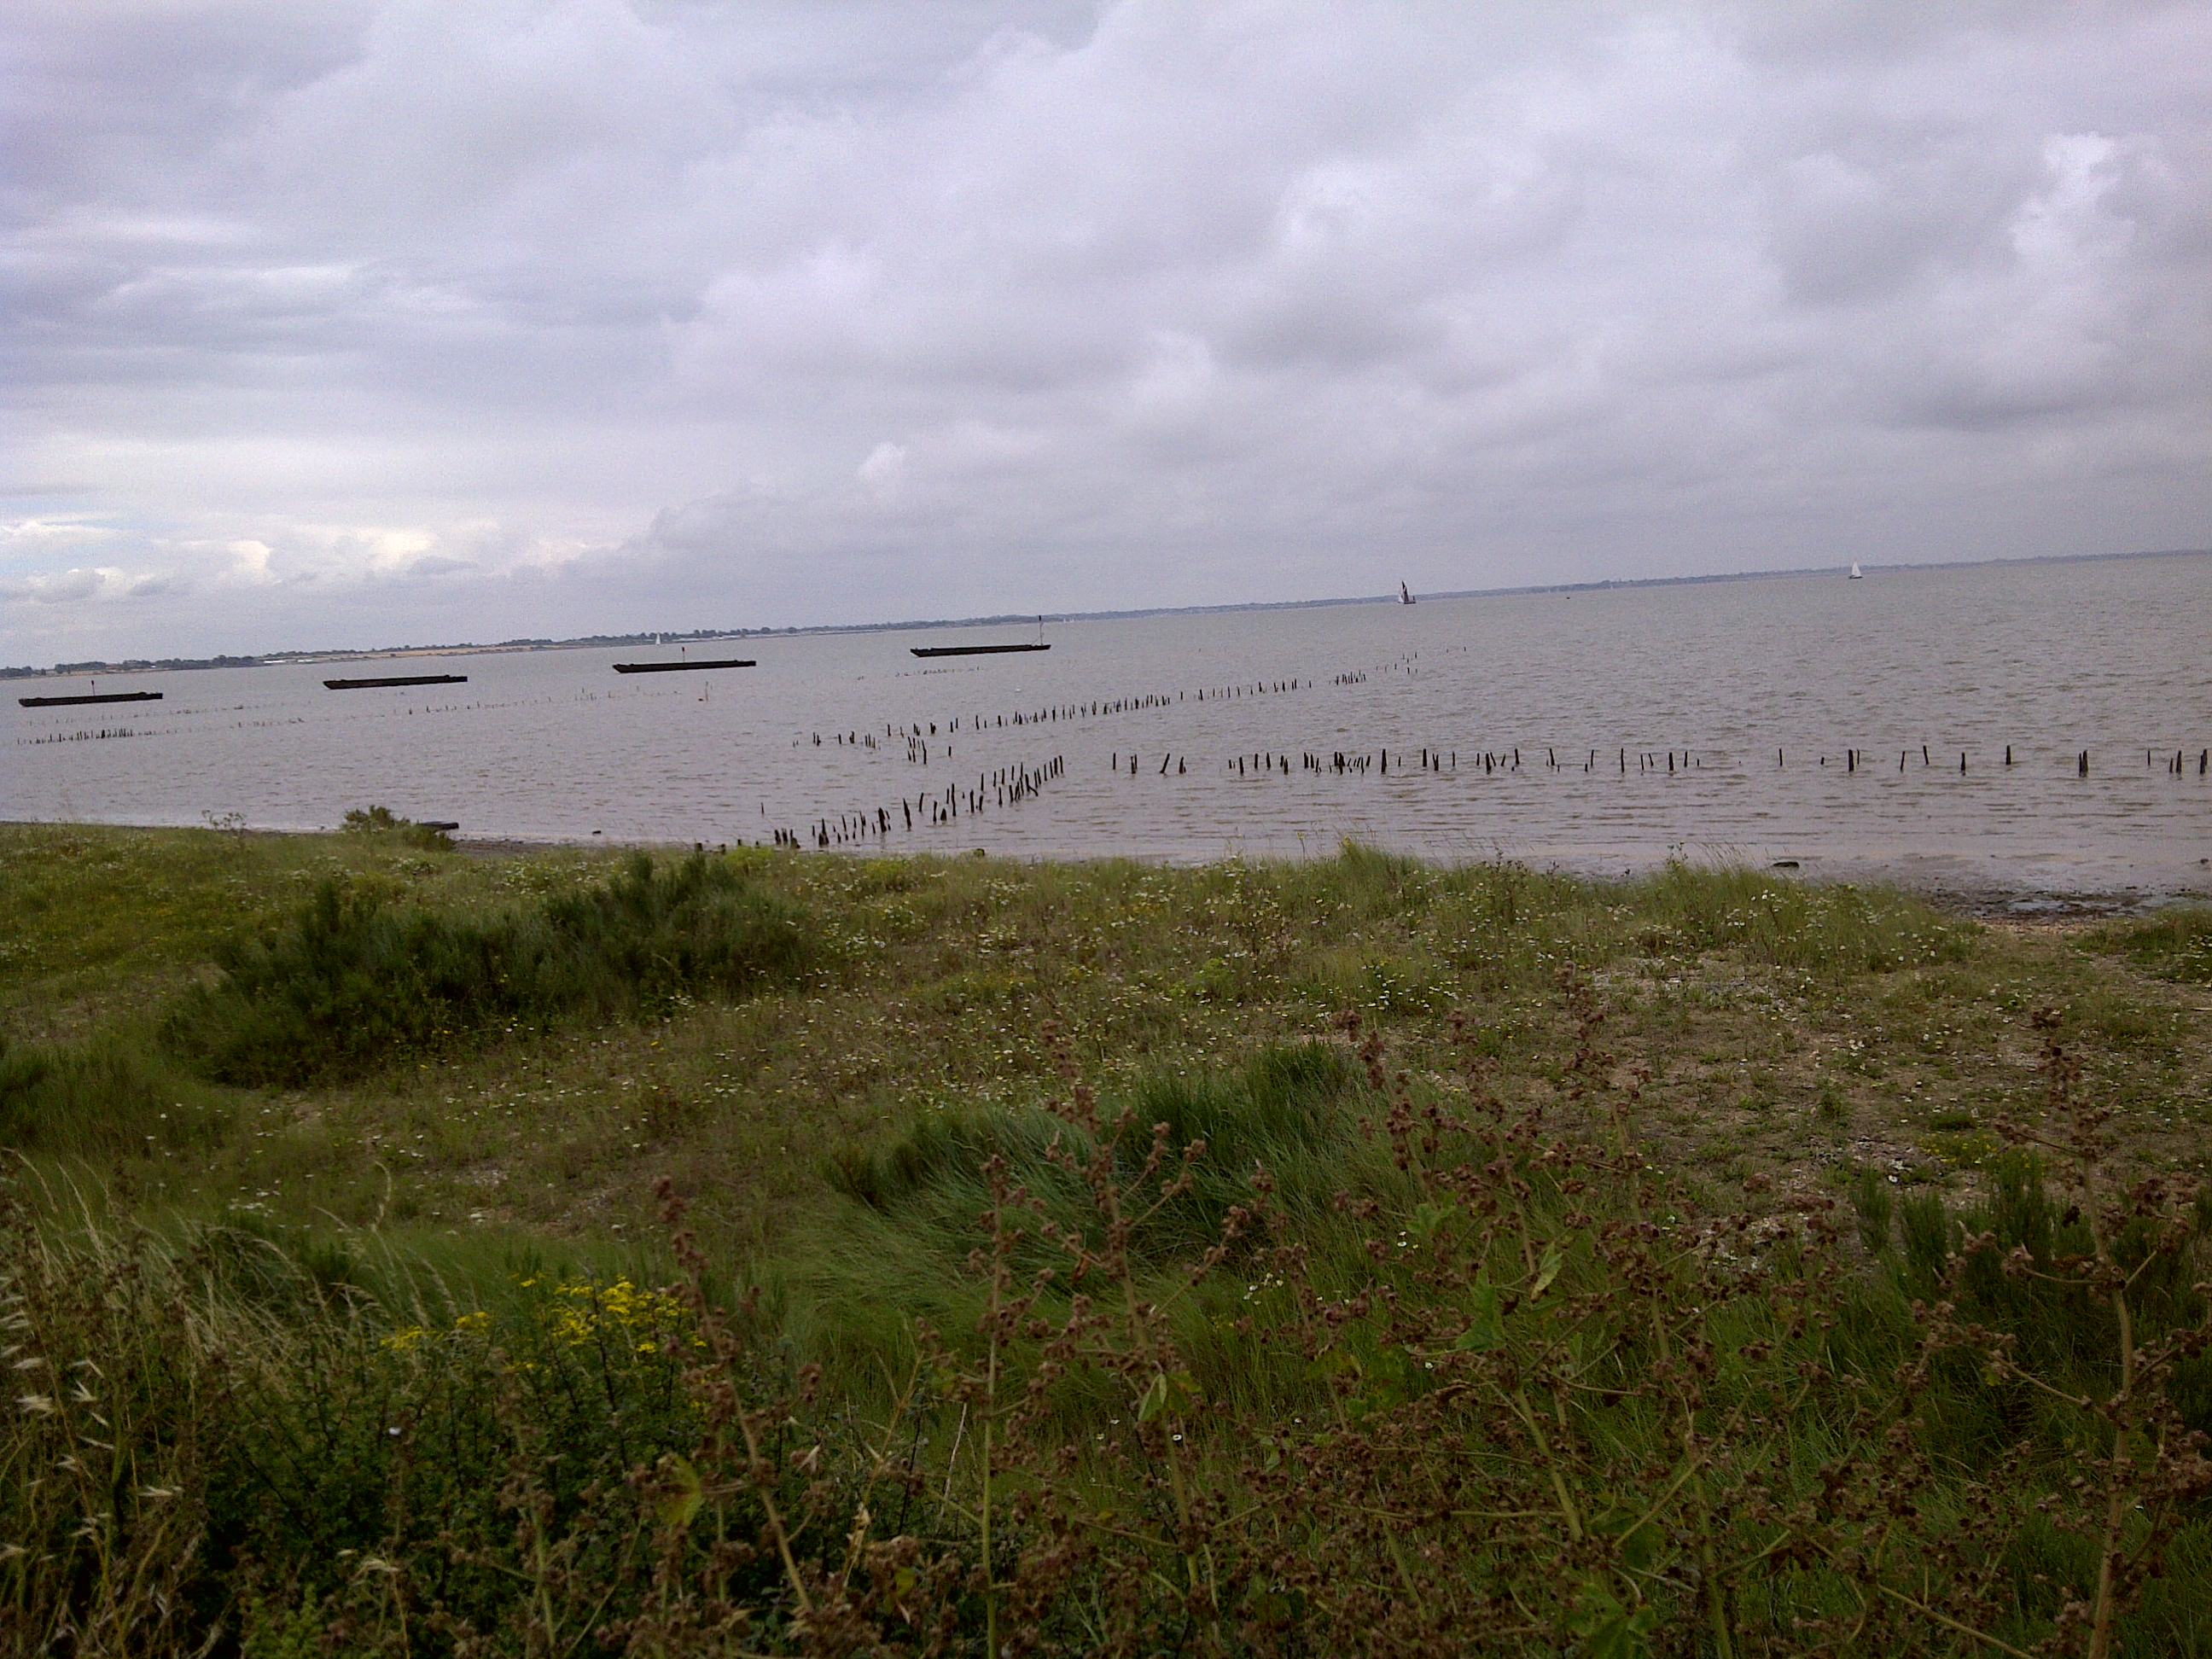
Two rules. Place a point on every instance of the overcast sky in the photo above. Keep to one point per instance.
(369, 323)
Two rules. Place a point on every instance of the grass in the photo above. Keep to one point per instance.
(324, 1138)
(2176, 944)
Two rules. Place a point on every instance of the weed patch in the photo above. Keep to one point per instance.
(2174, 943)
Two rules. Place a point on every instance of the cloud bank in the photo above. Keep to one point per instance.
(351, 323)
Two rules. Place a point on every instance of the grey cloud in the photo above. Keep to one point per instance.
(70, 586)
(588, 309)
(1855, 222)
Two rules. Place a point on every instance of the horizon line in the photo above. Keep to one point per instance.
(326, 654)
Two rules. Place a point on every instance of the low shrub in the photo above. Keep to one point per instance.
(353, 982)
(380, 821)
(648, 935)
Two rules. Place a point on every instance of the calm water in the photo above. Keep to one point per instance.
(2111, 656)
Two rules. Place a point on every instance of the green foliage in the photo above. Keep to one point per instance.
(113, 1096)
(1926, 1224)
(379, 821)
(2174, 943)
(1268, 1346)
(350, 984)
(1871, 1201)
(2014, 1263)
(848, 1286)
(1798, 924)
(208, 1434)
(648, 935)
(1288, 1102)
(1219, 1341)
(353, 983)
(22, 1071)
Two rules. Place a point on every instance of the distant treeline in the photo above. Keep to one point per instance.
(128, 665)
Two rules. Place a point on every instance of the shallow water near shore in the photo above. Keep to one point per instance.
(1768, 719)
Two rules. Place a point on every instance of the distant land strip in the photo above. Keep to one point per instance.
(692, 636)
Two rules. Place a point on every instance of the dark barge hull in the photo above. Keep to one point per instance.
(971, 650)
(400, 679)
(677, 668)
(99, 696)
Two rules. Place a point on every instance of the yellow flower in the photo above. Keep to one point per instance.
(617, 1309)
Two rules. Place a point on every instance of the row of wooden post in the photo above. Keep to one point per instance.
(1007, 786)
(1441, 760)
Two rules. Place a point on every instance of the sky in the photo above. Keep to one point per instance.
(367, 322)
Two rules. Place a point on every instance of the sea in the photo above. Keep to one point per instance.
(2025, 731)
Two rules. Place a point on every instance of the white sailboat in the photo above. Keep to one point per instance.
(1856, 575)
(1405, 594)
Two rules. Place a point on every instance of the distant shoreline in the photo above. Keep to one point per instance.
(663, 637)
(1947, 882)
